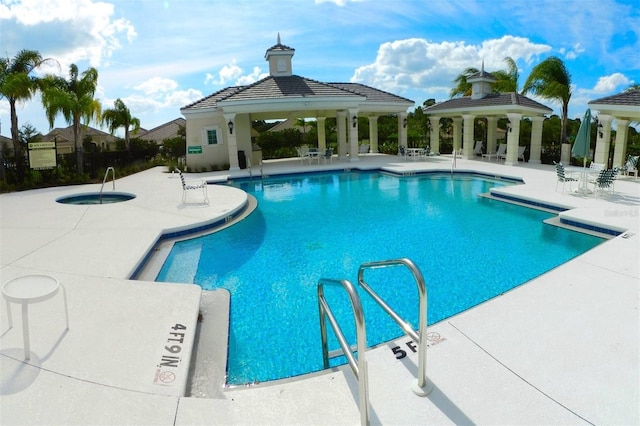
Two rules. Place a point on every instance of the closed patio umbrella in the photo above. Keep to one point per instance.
(582, 144)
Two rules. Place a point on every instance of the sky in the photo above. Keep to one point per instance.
(160, 55)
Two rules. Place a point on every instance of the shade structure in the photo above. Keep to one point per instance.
(582, 144)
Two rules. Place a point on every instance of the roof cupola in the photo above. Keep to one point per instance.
(279, 58)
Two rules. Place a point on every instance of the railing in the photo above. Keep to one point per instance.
(359, 366)
(106, 174)
(423, 386)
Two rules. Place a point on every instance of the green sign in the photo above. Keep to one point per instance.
(194, 149)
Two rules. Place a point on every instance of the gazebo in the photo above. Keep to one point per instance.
(219, 128)
(624, 108)
(483, 103)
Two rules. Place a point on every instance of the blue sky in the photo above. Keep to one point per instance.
(159, 55)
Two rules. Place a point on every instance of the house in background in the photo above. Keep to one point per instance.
(65, 143)
(219, 132)
(164, 131)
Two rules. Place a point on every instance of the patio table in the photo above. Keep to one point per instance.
(29, 289)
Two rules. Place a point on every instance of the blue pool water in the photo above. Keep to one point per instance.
(308, 227)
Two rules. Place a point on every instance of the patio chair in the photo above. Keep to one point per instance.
(303, 153)
(502, 152)
(477, 150)
(328, 155)
(363, 149)
(521, 150)
(604, 181)
(562, 177)
(191, 185)
(631, 166)
(402, 152)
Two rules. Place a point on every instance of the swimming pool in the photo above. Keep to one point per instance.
(314, 226)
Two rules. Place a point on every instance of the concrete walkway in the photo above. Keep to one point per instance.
(563, 348)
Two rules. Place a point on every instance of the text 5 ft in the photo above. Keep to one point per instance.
(401, 353)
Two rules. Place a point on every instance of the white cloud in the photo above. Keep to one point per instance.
(610, 83)
(233, 72)
(572, 53)
(337, 2)
(69, 30)
(419, 64)
(156, 85)
(227, 73)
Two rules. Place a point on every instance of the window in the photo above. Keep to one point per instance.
(210, 136)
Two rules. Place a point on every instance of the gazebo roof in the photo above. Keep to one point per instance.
(622, 105)
(298, 88)
(491, 104)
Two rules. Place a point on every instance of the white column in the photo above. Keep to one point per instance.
(513, 139)
(457, 132)
(322, 134)
(342, 134)
(492, 126)
(601, 154)
(402, 129)
(352, 125)
(373, 134)
(467, 138)
(434, 141)
(622, 130)
(232, 142)
(536, 140)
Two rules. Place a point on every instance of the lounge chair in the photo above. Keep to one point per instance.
(363, 149)
(521, 150)
(191, 185)
(477, 150)
(562, 177)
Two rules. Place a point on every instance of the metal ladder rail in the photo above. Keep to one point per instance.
(106, 174)
(423, 387)
(359, 366)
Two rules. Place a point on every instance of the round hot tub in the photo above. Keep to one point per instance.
(96, 198)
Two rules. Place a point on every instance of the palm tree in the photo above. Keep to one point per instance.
(506, 81)
(463, 88)
(74, 99)
(551, 80)
(17, 85)
(120, 116)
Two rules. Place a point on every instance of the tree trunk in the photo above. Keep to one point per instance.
(15, 137)
(78, 143)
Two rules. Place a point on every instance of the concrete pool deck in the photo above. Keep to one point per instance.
(563, 348)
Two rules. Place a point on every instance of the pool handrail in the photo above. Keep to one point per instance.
(106, 174)
(423, 386)
(359, 366)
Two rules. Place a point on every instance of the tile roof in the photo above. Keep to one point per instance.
(293, 86)
(372, 94)
(631, 97)
(492, 100)
(164, 131)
